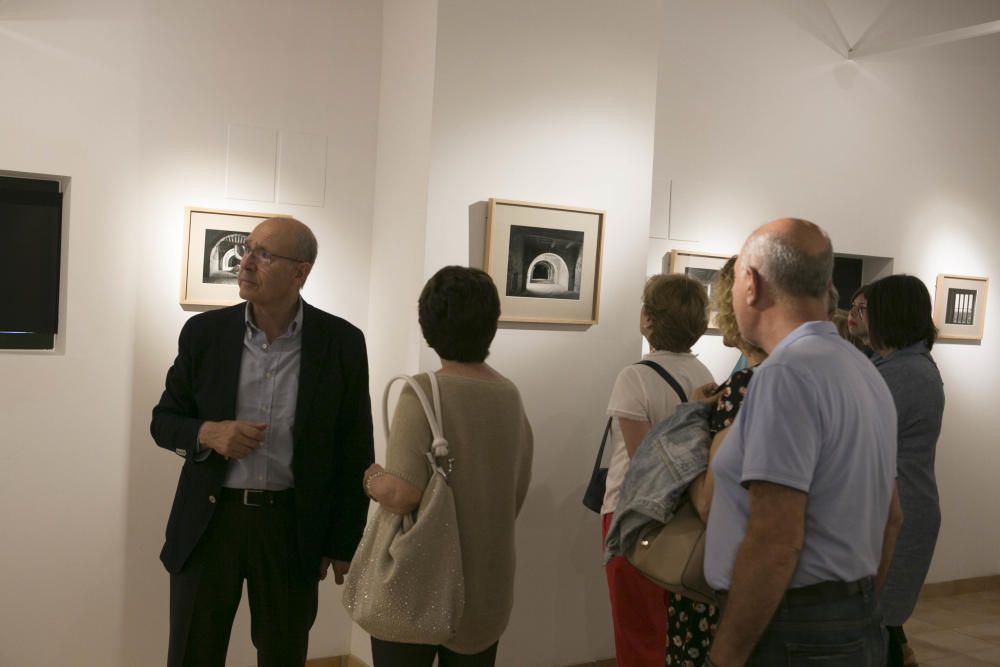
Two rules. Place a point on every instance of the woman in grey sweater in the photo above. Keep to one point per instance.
(490, 452)
(902, 332)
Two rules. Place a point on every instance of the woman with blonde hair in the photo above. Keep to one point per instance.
(692, 624)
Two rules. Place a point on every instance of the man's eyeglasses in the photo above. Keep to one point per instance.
(859, 309)
(265, 257)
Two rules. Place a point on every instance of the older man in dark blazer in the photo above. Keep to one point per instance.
(268, 404)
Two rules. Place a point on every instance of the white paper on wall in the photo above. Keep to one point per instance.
(302, 169)
(250, 163)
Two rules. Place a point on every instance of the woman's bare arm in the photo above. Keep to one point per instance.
(393, 493)
(634, 432)
(704, 484)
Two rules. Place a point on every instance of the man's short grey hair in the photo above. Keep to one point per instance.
(308, 245)
(787, 269)
(833, 300)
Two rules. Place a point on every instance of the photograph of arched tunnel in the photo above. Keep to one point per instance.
(214, 243)
(223, 253)
(544, 263)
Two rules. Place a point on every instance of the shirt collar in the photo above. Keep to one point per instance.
(814, 328)
(294, 327)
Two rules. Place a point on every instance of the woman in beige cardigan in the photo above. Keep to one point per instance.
(490, 440)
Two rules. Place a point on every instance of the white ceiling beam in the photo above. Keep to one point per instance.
(935, 39)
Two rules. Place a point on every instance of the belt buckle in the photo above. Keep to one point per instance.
(246, 498)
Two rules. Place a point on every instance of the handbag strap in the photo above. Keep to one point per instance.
(439, 445)
(600, 451)
(668, 378)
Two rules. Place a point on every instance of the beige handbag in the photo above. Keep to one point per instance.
(406, 582)
(672, 555)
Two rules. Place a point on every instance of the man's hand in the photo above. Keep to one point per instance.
(232, 439)
(340, 568)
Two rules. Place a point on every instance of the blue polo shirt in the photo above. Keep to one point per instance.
(817, 418)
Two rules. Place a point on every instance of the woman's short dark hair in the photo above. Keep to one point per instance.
(677, 307)
(899, 313)
(458, 311)
(861, 291)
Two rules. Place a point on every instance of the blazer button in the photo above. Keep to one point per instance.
(211, 499)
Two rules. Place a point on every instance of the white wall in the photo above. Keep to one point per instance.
(64, 434)
(895, 155)
(133, 102)
(409, 29)
(551, 102)
(430, 108)
(305, 67)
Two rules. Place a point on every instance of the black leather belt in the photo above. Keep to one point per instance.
(825, 591)
(257, 498)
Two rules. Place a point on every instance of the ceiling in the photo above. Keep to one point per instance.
(859, 28)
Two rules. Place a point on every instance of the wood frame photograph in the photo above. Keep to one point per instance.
(213, 247)
(960, 307)
(545, 261)
(703, 267)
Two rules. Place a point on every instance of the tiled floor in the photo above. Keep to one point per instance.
(956, 630)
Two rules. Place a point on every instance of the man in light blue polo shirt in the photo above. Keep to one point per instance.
(804, 512)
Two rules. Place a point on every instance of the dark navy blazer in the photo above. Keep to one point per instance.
(332, 432)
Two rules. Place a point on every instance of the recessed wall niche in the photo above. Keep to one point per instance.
(852, 271)
(31, 224)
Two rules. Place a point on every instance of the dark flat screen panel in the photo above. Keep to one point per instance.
(28, 184)
(847, 272)
(31, 341)
(31, 228)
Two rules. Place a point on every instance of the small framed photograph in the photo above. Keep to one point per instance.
(702, 266)
(960, 307)
(213, 248)
(545, 261)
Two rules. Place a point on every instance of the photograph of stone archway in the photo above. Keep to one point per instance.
(544, 263)
(223, 253)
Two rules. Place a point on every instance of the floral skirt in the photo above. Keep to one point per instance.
(690, 628)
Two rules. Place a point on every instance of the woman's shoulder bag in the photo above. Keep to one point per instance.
(406, 582)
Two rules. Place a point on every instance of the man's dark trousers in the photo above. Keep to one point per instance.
(254, 542)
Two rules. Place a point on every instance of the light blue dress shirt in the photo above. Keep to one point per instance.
(269, 388)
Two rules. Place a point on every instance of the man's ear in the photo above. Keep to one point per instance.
(302, 271)
(754, 286)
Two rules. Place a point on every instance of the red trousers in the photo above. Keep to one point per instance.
(638, 611)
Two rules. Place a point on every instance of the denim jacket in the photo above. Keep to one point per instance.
(673, 453)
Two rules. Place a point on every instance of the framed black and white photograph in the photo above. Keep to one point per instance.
(960, 307)
(214, 242)
(702, 266)
(545, 261)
